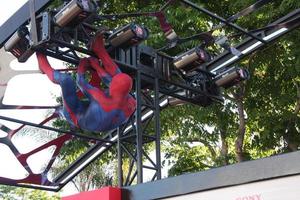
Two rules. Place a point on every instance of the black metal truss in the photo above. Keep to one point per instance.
(85, 137)
(270, 33)
(125, 59)
(131, 145)
(20, 18)
(151, 72)
(132, 136)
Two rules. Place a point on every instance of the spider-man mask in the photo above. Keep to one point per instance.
(120, 85)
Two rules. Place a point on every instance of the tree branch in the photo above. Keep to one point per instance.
(297, 108)
(74, 183)
(206, 143)
(239, 143)
(291, 144)
(224, 148)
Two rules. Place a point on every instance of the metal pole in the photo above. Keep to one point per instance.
(157, 126)
(120, 158)
(33, 28)
(139, 128)
(54, 129)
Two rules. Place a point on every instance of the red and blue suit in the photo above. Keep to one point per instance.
(105, 109)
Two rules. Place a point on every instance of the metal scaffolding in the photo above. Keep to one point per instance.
(151, 71)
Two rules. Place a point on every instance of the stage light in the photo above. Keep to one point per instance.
(19, 45)
(73, 9)
(131, 34)
(231, 77)
(191, 59)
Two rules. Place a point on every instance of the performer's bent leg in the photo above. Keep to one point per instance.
(68, 90)
(99, 49)
(71, 103)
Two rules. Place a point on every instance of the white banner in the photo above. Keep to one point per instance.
(278, 189)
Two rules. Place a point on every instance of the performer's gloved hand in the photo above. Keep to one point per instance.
(41, 59)
(83, 65)
(97, 44)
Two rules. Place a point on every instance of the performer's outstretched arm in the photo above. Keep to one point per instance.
(45, 67)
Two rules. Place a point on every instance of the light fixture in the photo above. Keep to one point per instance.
(191, 59)
(131, 34)
(73, 9)
(231, 77)
(19, 45)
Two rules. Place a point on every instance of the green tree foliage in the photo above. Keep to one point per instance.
(259, 118)
(12, 193)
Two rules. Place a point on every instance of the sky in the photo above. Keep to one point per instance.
(10, 7)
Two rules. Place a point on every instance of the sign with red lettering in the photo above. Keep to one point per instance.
(276, 189)
(250, 197)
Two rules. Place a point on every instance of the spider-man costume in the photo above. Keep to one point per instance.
(105, 109)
